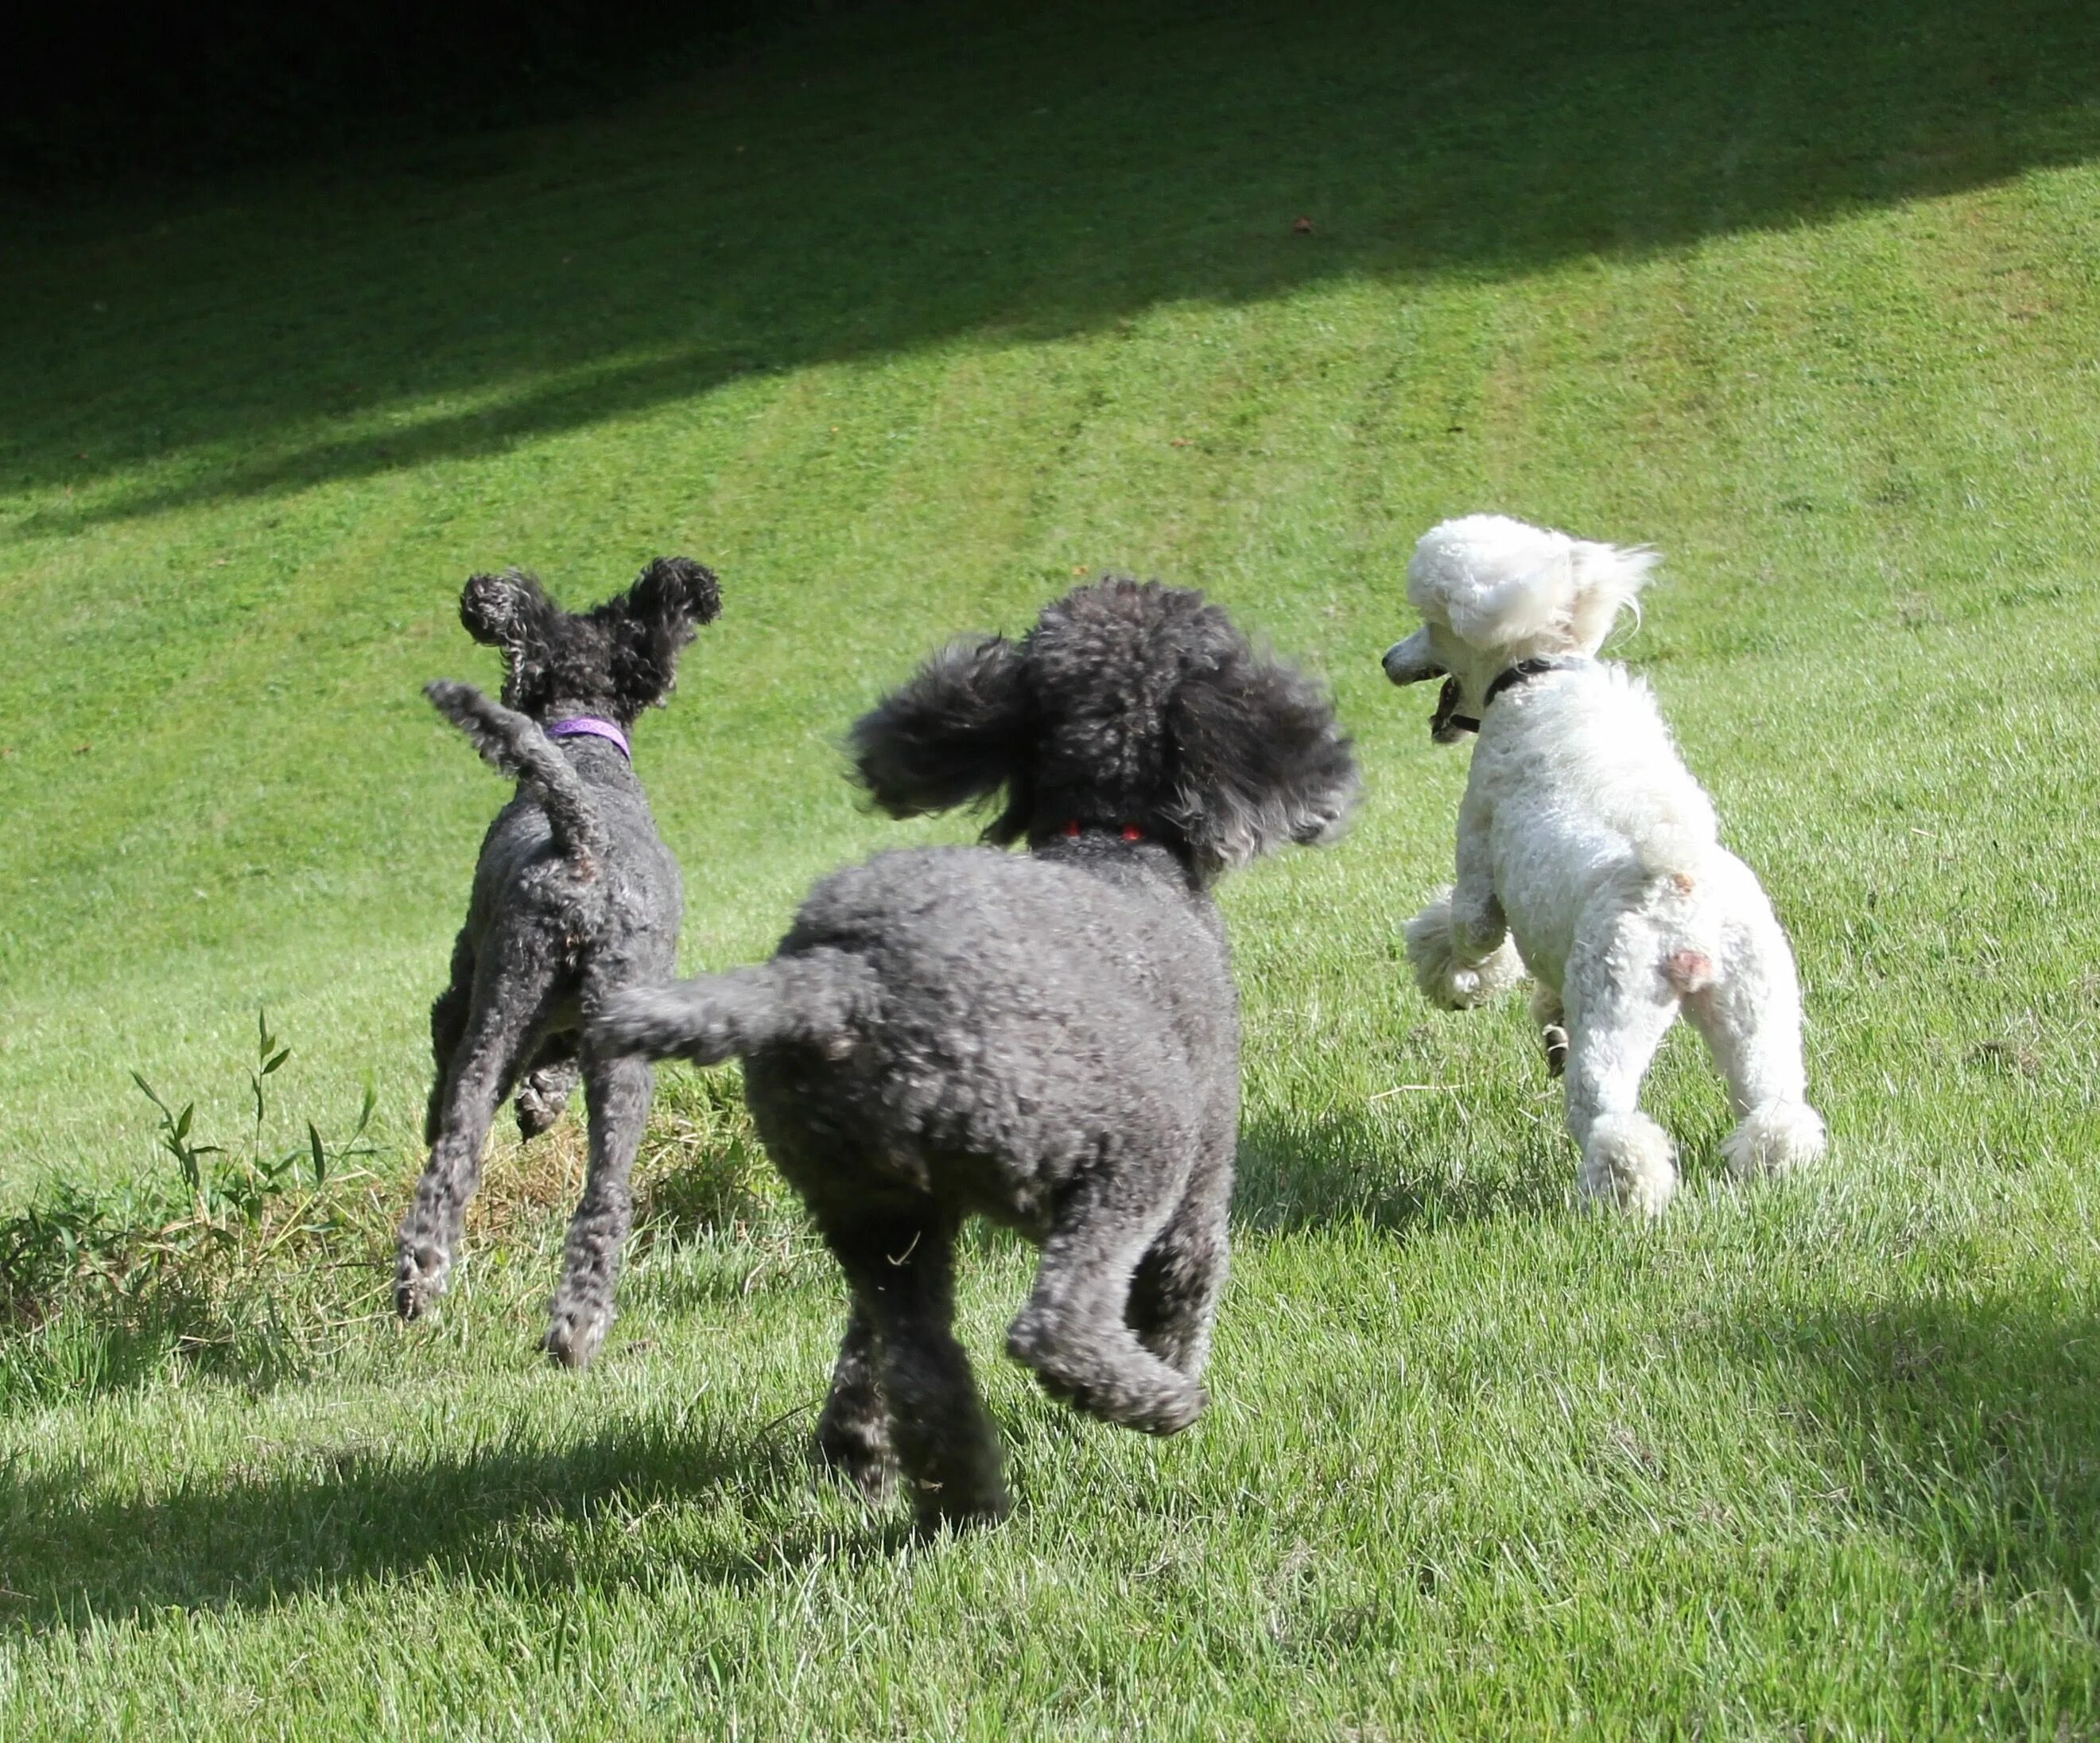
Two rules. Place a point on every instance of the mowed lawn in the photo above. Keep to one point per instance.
(905, 324)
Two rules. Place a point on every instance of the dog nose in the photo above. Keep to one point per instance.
(1409, 662)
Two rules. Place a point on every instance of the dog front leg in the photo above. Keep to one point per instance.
(1459, 945)
(853, 1436)
(901, 1268)
(547, 1086)
(1551, 1018)
(1479, 928)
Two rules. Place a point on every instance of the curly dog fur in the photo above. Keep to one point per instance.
(1049, 1040)
(574, 894)
(1590, 857)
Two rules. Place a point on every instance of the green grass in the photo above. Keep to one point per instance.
(904, 324)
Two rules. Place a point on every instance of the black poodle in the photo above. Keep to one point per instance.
(574, 893)
(1050, 1040)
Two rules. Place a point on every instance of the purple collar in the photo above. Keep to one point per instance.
(590, 726)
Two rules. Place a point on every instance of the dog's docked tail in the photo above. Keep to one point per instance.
(811, 998)
(513, 744)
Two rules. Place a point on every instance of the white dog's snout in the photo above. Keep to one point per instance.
(1409, 662)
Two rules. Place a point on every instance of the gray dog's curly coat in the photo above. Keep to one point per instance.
(1050, 1040)
(575, 893)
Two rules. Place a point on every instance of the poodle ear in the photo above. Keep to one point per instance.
(1607, 580)
(1511, 610)
(652, 622)
(675, 590)
(1260, 762)
(511, 611)
(1502, 584)
(1497, 582)
(957, 732)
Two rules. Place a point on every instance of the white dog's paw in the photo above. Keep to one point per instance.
(1775, 1138)
(1629, 1163)
(1445, 981)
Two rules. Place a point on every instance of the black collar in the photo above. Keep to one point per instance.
(1512, 676)
(1508, 678)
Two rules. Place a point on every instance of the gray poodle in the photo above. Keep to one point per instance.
(574, 893)
(1050, 1040)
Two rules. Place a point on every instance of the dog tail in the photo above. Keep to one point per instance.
(813, 998)
(511, 742)
(1673, 847)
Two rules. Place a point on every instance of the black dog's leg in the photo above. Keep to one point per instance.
(448, 1016)
(616, 1092)
(1073, 1332)
(547, 1087)
(1174, 1296)
(500, 1028)
(901, 1271)
(853, 1435)
(1552, 1023)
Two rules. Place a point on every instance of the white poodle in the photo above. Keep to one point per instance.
(1588, 855)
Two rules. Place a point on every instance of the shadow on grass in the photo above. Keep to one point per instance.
(1394, 1172)
(930, 176)
(525, 1519)
(1971, 1429)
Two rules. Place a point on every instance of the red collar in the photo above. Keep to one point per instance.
(1129, 832)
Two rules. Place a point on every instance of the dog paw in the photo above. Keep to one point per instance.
(1775, 1139)
(1150, 1409)
(1629, 1162)
(1173, 1410)
(959, 1506)
(1184, 1348)
(541, 1098)
(853, 1440)
(862, 1458)
(1112, 1376)
(577, 1333)
(1445, 981)
(420, 1278)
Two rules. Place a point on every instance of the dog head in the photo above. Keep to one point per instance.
(1492, 591)
(1129, 705)
(612, 661)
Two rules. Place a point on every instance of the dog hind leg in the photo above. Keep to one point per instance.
(1618, 1010)
(448, 1019)
(1750, 1018)
(616, 1091)
(508, 1011)
(1174, 1294)
(1074, 1333)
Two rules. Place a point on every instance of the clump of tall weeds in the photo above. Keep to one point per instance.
(255, 1262)
(238, 1257)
